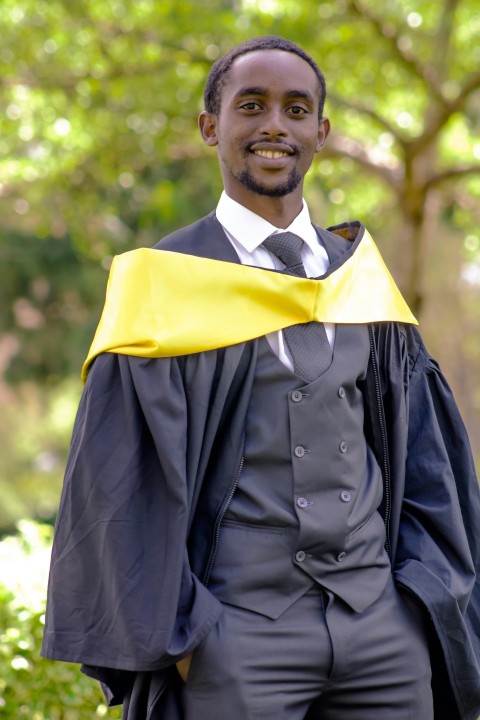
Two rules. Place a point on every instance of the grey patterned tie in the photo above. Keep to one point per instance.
(308, 343)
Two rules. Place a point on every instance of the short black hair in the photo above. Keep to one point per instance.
(218, 74)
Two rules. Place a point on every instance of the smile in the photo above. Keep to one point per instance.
(271, 154)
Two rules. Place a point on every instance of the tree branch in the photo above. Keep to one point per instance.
(340, 145)
(457, 171)
(443, 38)
(445, 112)
(408, 60)
(471, 86)
(370, 112)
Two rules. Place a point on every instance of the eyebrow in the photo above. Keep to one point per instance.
(264, 92)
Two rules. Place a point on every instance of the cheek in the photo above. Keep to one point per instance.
(230, 140)
(309, 150)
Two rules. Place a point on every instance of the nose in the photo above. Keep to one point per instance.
(274, 123)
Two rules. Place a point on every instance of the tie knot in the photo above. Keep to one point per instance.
(287, 247)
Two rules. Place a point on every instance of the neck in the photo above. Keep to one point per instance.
(279, 211)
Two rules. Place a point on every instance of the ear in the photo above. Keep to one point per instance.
(207, 122)
(323, 130)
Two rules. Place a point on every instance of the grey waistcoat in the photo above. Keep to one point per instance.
(305, 508)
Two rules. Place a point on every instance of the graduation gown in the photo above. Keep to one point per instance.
(154, 454)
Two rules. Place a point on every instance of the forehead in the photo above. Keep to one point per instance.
(276, 70)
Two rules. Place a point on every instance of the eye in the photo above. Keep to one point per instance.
(297, 110)
(250, 106)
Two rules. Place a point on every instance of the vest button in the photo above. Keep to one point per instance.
(300, 556)
(341, 556)
(345, 496)
(299, 451)
(302, 502)
(343, 447)
(341, 392)
(296, 396)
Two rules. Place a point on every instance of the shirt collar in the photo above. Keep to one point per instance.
(250, 230)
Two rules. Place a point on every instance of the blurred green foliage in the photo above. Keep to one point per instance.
(99, 150)
(99, 153)
(35, 428)
(30, 686)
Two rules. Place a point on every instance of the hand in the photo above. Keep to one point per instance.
(183, 667)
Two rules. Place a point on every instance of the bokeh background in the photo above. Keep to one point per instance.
(100, 153)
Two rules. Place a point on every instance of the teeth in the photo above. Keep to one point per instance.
(272, 154)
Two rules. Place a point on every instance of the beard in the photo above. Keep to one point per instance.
(285, 188)
(246, 178)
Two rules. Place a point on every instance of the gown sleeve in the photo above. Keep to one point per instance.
(438, 553)
(121, 592)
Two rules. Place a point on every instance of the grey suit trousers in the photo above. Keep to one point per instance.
(319, 660)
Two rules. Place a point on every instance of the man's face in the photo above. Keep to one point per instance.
(268, 130)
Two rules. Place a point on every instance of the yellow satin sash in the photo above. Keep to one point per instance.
(162, 304)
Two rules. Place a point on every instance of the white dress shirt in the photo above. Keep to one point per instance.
(247, 231)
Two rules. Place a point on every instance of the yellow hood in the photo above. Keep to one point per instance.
(162, 304)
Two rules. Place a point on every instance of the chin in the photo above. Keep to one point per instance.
(260, 188)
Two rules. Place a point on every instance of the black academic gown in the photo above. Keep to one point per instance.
(154, 454)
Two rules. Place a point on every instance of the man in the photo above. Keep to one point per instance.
(270, 507)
